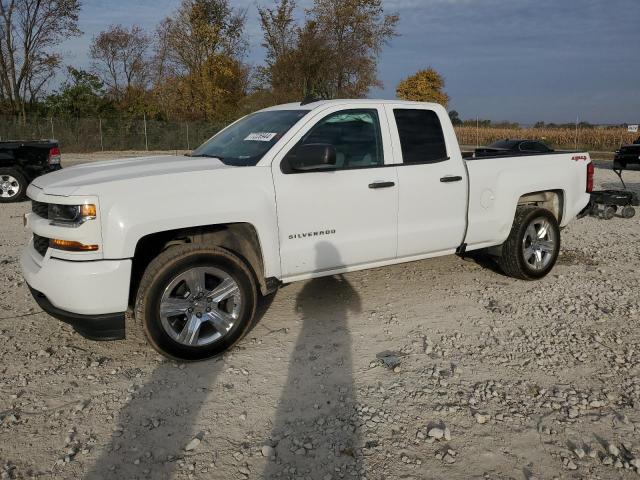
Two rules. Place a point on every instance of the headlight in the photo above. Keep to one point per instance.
(71, 215)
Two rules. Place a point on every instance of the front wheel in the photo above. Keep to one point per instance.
(533, 245)
(196, 301)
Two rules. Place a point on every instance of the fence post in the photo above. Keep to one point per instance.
(188, 147)
(477, 132)
(53, 135)
(146, 140)
(577, 119)
(101, 143)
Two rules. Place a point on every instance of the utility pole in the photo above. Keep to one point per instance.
(101, 143)
(146, 140)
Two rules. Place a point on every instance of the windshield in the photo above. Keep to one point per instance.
(248, 140)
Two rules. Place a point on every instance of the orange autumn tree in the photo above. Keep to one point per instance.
(424, 86)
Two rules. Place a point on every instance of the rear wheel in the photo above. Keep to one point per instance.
(533, 245)
(196, 301)
(13, 185)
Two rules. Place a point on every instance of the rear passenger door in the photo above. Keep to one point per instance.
(432, 185)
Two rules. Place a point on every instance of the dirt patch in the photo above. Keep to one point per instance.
(576, 257)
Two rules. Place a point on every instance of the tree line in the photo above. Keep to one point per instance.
(193, 65)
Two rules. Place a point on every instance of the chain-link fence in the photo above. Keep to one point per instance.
(111, 133)
(125, 133)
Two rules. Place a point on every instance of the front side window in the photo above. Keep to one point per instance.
(355, 136)
(248, 140)
(421, 136)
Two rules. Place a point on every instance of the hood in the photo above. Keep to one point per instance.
(80, 178)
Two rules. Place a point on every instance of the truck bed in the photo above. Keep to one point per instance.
(497, 183)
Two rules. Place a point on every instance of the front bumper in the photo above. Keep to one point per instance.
(92, 295)
(108, 326)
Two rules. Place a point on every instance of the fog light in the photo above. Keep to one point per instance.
(71, 246)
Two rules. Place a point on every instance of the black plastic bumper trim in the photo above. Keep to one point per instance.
(108, 326)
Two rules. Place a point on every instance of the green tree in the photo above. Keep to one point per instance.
(82, 95)
(424, 86)
(455, 117)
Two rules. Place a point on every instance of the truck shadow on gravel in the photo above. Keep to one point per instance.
(485, 261)
(156, 424)
(160, 420)
(314, 434)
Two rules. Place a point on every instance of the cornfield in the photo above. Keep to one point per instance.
(594, 139)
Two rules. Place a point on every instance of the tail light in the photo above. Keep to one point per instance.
(590, 171)
(54, 156)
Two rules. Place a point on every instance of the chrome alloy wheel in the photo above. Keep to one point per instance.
(9, 186)
(200, 306)
(539, 244)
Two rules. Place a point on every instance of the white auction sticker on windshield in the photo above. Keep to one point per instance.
(260, 137)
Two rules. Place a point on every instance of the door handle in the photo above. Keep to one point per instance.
(382, 184)
(450, 179)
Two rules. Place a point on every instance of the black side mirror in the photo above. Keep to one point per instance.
(311, 156)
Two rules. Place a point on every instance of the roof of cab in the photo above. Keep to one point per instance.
(328, 103)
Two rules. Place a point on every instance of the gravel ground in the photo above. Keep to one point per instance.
(436, 369)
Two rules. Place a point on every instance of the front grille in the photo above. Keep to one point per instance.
(40, 209)
(40, 244)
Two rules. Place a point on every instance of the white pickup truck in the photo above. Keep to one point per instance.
(289, 193)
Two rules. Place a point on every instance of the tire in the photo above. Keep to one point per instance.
(193, 324)
(609, 212)
(13, 185)
(522, 259)
(628, 212)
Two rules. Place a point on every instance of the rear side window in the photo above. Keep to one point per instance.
(421, 136)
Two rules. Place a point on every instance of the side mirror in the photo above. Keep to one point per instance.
(311, 156)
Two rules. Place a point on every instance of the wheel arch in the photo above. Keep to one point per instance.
(241, 239)
(552, 200)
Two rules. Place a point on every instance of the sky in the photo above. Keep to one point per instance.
(514, 60)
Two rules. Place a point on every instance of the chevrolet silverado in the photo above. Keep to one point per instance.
(288, 193)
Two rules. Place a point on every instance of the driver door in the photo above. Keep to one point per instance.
(345, 216)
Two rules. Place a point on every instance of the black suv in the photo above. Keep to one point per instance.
(627, 155)
(21, 162)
